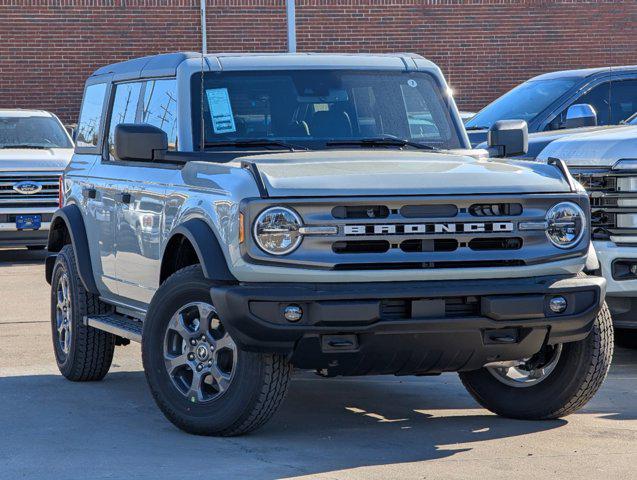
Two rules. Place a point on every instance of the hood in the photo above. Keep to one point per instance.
(393, 172)
(34, 159)
(600, 148)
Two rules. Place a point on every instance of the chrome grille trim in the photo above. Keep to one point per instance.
(46, 198)
(602, 186)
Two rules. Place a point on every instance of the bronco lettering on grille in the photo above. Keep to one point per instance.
(427, 228)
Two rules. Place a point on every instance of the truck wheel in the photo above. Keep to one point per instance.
(555, 382)
(82, 353)
(201, 380)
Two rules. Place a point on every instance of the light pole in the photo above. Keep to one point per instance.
(291, 14)
(204, 39)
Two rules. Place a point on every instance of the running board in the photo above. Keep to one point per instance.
(117, 324)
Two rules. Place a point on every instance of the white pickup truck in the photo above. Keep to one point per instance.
(34, 150)
(605, 163)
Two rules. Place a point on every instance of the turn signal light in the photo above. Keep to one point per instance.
(61, 191)
(241, 228)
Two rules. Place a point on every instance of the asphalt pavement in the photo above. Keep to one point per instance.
(340, 428)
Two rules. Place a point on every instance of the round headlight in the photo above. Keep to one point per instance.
(276, 230)
(566, 223)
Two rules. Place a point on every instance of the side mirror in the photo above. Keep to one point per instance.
(508, 138)
(72, 129)
(141, 142)
(580, 115)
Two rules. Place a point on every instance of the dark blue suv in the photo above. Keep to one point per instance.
(544, 101)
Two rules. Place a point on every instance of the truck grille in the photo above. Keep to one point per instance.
(612, 207)
(47, 197)
(427, 232)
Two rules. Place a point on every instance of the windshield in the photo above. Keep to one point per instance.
(524, 102)
(32, 132)
(314, 108)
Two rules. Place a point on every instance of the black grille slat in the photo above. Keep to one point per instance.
(426, 245)
(395, 309)
(455, 307)
(362, 246)
(484, 244)
(495, 209)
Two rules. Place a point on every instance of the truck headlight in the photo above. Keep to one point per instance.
(276, 230)
(566, 223)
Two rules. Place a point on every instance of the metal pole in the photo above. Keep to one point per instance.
(291, 12)
(204, 39)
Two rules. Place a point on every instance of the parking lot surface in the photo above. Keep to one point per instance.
(342, 428)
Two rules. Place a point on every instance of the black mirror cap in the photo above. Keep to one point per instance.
(139, 141)
(509, 138)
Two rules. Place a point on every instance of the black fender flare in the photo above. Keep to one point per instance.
(70, 218)
(204, 241)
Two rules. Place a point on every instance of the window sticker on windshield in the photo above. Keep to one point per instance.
(221, 110)
(412, 83)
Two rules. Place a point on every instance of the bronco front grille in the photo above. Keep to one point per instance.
(46, 197)
(426, 232)
(609, 201)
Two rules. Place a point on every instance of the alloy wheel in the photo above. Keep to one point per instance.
(199, 355)
(63, 314)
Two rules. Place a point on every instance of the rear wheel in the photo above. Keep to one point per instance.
(82, 353)
(555, 382)
(201, 380)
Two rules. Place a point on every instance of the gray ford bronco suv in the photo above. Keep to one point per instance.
(241, 215)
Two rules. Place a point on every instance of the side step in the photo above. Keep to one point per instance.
(117, 324)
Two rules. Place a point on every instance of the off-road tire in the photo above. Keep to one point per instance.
(91, 351)
(578, 375)
(257, 389)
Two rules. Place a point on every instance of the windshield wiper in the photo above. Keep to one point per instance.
(27, 145)
(478, 127)
(385, 141)
(257, 142)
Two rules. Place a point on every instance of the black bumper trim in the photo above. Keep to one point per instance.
(269, 332)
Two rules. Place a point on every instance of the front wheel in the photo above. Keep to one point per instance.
(557, 381)
(200, 379)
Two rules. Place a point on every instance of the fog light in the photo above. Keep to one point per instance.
(557, 304)
(293, 313)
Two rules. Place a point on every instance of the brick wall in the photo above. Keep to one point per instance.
(48, 47)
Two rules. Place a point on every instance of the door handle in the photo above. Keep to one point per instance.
(125, 198)
(89, 192)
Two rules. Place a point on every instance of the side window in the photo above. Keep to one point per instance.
(88, 128)
(159, 108)
(623, 102)
(124, 110)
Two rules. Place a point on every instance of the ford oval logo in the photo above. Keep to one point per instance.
(27, 187)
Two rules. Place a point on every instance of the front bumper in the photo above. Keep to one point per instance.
(408, 327)
(621, 294)
(12, 237)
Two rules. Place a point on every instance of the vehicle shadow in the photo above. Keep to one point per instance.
(21, 256)
(113, 428)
